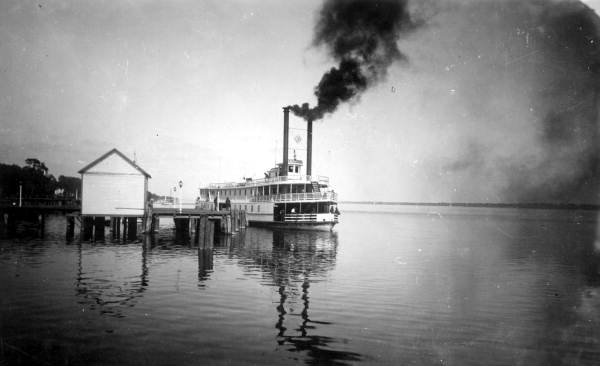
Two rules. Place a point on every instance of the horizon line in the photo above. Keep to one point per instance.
(586, 206)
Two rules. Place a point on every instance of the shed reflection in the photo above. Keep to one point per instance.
(100, 291)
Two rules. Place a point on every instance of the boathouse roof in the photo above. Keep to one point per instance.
(118, 153)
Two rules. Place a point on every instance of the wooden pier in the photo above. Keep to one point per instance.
(199, 224)
(115, 194)
(33, 211)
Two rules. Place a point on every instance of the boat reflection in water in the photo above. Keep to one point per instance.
(290, 262)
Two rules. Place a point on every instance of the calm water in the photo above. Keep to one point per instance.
(423, 286)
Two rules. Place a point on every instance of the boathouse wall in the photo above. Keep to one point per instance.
(113, 185)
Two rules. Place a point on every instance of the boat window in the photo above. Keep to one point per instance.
(273, 189)
(251, 208)
(297, 188)
(257, 208)
(284, 188)
(291, 169)
(309, 208)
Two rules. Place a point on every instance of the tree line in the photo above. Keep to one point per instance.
(35, 181)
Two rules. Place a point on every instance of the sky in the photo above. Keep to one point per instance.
(194, 91)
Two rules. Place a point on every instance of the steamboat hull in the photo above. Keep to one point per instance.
(315, 226)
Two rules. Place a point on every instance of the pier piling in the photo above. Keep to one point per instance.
(115, 228)
(41, 224)
(235, 220)
(88, 227)
(70, 227)
(202, 222)
(211, 234)
(131, 228)
(98, 227)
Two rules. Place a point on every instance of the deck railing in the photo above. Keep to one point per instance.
(298, 217)
(253, 183)
(40, 202)
(288, 197)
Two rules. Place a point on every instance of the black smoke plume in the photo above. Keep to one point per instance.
(539, 54)
(362, 36)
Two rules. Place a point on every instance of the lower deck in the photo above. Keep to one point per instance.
(285, 214)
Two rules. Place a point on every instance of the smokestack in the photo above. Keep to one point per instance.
(309, 123)
(286, 132)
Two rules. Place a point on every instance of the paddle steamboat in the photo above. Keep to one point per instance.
(286, 197)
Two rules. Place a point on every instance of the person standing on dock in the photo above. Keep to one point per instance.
(216, 203)
(227, 204)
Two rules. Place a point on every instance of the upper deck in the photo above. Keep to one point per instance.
(250, 183)
(275, 187)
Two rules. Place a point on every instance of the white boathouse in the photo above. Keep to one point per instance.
(113, 185)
